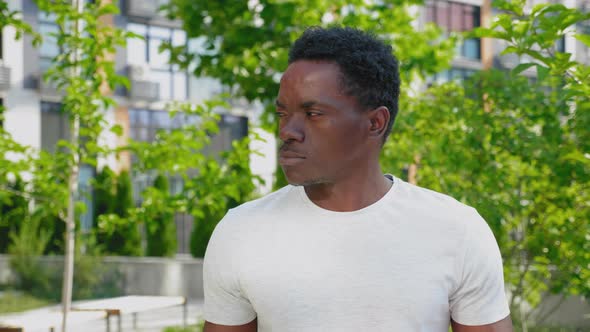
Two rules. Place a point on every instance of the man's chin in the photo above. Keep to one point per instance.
(303, 181)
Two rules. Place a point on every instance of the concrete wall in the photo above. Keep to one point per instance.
(143, 275)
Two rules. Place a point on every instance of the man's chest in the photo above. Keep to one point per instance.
(325, 277)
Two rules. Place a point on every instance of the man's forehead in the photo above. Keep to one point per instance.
(311, 70)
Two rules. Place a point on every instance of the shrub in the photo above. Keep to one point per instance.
(160, 225)
(116, 232)
(13, 209)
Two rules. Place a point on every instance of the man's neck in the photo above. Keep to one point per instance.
(350, 194)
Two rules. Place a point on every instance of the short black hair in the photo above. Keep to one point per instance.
(369, 68)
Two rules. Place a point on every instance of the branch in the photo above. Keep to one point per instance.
(23, 194)
(520, 283)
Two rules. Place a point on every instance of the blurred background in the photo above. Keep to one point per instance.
(130, 127)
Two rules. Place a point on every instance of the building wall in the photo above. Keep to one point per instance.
(22, 111)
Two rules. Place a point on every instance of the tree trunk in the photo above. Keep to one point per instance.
(413, 170)
(68, 275)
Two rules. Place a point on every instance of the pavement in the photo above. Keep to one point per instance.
(149, 321)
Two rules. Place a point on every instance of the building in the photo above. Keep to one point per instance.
(32, 105)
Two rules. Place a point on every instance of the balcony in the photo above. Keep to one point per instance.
(142, 88)
(144, 91)
(49, 88)
(145, 8)
(4, 78)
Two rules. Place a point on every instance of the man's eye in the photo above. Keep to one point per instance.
(280, 114)
(313, 114)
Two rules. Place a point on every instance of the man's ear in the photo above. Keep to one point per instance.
(378, 121)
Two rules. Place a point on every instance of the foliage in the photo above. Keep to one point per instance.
(83, 71)
(13, 301)
(27, 245)
(12, 154)
(245, 44)
(159, 219)
(84, 97)
(40, 277)
(234, 183)
(13, 18)
(190, 328)
(13, 210)
(104, 191)
(535, 34)
(516, 149)
(117, 232)
(211, 184)
(523, 164)
(549, 250)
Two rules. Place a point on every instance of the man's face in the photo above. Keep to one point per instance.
(324, 132)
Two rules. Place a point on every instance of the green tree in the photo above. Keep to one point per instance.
(160, 224)
(103, 191)
(521, 157)
(13, 18)
(14, 208)
(117, 231)
(212, 183)
(84, 72)
(514, 148)
(235, 185)
(13, 198)
(245, 43)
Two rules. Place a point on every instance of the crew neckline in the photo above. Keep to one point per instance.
(316, 208)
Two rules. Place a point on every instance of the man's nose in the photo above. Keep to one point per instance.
(291, 129)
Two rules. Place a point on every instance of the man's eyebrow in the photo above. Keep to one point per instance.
(304, 105)
(308, 104)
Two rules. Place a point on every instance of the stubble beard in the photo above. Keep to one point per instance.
(309, 182)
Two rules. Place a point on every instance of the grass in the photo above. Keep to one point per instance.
(190, 328)
(13, 301)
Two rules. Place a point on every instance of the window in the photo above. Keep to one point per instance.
(173, 81)
(49, 47)
(144, 125)
(453, 74)
(453, 16)
(54, 125)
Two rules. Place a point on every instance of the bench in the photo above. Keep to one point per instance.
(133, 304)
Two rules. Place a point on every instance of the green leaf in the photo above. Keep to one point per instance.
(522, 67)
(542, 72)
(510, 49)
(583, 38)
(117, 130)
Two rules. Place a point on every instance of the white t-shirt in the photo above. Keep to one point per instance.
(408, 262)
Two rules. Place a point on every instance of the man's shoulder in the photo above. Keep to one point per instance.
(432, 206)
(250, 216)
(273, 202)
(428, 198)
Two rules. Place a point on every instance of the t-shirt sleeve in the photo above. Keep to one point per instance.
(225, 303)
(479, 297)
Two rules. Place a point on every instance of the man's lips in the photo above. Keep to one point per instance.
(290, 158)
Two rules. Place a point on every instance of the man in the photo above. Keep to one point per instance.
(345, 247)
